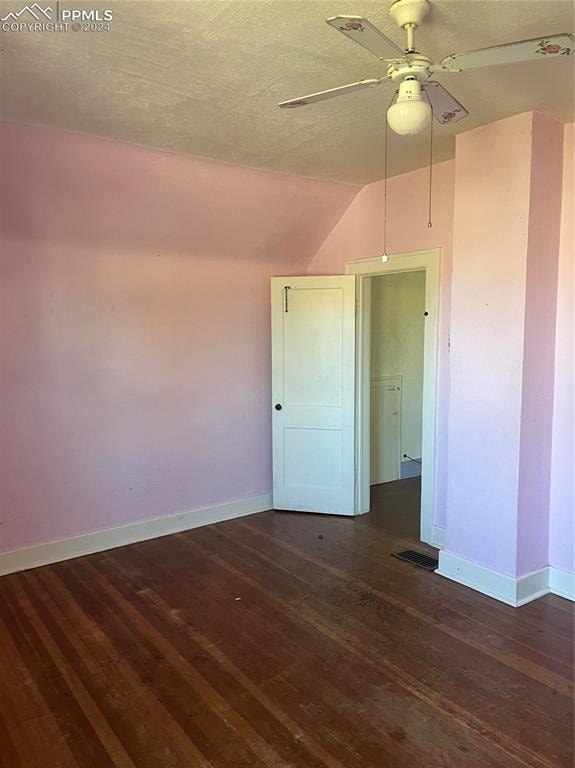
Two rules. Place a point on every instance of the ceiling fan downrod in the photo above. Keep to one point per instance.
(410, 44)
(408, 14)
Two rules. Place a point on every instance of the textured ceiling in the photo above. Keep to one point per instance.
(204, 77)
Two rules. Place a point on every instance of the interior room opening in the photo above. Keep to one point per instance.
(396, 398)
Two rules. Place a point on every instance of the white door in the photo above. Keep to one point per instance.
(313, 393)
(385, 429)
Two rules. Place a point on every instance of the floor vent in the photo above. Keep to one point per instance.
(417, 558)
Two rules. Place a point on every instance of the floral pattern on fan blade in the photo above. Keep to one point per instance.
(449, 117)
(552, 49)
(352, 26)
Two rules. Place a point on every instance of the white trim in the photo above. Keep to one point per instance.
(97, 541)
(501, 586)
(562, 583)
(531, 586)
(362, 396)
(428, 261)
(438, 537)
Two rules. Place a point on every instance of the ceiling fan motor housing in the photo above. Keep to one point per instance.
(409, 12)
(418, 67)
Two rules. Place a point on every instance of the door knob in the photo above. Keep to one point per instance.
(278, 407)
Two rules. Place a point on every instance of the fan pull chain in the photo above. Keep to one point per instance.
(384, 255)
(429, 224)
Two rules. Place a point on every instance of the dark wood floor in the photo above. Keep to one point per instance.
(279, 640)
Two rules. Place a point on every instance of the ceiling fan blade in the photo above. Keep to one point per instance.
(535, 49)
(331, 93)
(445, 107)
(361, 31)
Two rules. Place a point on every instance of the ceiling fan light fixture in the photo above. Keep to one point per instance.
(411, 113)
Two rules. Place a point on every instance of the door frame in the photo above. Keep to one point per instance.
(427, 261)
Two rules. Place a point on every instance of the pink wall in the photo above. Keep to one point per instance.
(134, 349)
(359, 235)
(505, 252)
(490, 245)
(134, 327)
(539, 344)
(562, 509)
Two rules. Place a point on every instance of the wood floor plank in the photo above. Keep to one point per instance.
(29, 592)
(133, 669)
(10, 755)
(263, 658)
(180, 576)
(281, 640)
(557, 673)
(20, 704)
(209, 694)
(538, 706)
(541, 617)
(75, 731)
(290, 739)
(414, 684)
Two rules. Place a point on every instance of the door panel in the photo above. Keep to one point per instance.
(313, 338)
(301, 448)
(313, 380)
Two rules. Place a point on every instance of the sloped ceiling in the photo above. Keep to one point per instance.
(69, 190)
(204, 76)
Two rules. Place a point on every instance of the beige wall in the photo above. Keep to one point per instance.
(398, 303)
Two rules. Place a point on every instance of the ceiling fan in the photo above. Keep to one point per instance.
(418, 97)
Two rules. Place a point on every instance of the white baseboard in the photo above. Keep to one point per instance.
(531, 586)
(562, 583)
(515, 592)
(437, 537)
(507, 589)
(88, 543)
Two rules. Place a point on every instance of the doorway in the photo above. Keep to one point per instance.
(396, 376)
(383, 394)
